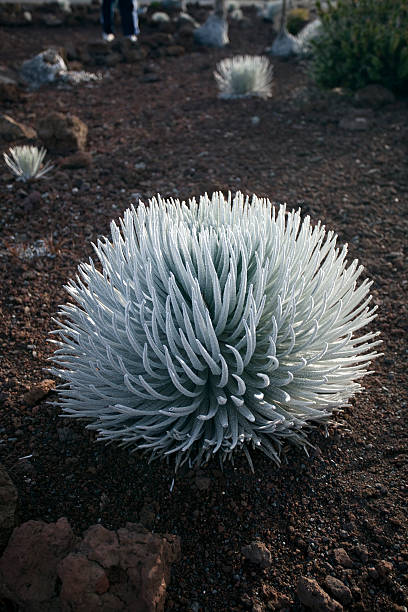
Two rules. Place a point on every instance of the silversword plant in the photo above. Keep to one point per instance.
(26, 162)
(213, 326)
(244, 75)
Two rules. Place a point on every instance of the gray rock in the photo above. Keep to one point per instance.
(354, 124)
(49, 67)
(42, 69)
(213, 33)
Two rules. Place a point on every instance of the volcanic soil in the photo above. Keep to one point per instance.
(172, 135)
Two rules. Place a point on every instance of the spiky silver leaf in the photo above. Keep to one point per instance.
(26, 162)
(213, 326)
(310, 32)
(244, 75)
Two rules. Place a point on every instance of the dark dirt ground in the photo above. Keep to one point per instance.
(351, 492)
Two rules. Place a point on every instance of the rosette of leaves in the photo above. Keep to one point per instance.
(26, 162)
(213, 326)
(244, 75)
(362, 42)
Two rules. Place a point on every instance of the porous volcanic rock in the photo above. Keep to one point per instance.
(38, 392)
(8, 502)
(127, 569)
(63, 133)
(339, 590)
(257, 553)
(80, 159)
(28, 567)
(314, 597)
(342, 558)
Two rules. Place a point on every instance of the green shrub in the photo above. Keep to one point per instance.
(362, 42)
(297, 19)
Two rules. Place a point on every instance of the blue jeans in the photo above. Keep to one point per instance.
(128, 14)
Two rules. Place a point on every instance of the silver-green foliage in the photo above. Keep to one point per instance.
(26, 162)
(213, 326)
(244, 75)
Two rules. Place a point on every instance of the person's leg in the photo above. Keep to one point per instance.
(107, 16)
(128, 13)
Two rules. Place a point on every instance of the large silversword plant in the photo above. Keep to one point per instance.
(214, 326)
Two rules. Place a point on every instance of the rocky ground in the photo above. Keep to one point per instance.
(321, 529)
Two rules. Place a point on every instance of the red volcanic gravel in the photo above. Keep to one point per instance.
(341, 512)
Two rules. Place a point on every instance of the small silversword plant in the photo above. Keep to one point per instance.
(219, 325)
(244, 75)
(26, 162)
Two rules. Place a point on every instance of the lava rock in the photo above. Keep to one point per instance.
(39, 391)
(257, 553)
(362, 551)
(175, 50)
(132, 53)
(314, 597)
(8, 503)
(275, 600)
(384, 568)
(339, 590)
(31, 201)
(28, 567)
(63, 133)
(342, 558)
(122, 570)
(80, 159)
(202, 483)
